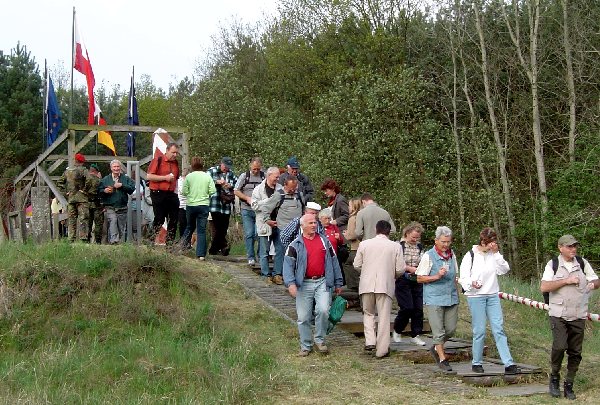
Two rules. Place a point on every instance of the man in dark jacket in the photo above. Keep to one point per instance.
(305, 187)
(113, 190)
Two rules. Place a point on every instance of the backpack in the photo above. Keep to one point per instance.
(247, 179)
(408, 276)
(283, 198)
(555, 268)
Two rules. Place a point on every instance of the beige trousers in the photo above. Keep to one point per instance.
(381, 304)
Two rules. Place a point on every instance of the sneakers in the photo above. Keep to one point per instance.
(201, 258)
(396, 337)
(321, 347)
(417, 341)
(512, 369)
(251, 262)
(434, 354)
(444, 365)
(269, 279)
(278, 280)
(303, 353)
(369, 348)
(477, 368)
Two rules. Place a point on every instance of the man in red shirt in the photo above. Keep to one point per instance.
(310, 272)
(163, 173)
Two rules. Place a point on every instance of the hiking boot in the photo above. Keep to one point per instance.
(278, 280)
(396, 337)
(225, 251)
(512, 369)
(321, 347)
(417, 341)
(445, 365)
(434, 354)
(369, 348)
(554, 385)
(568, 390)
(270, 280)
(303, 353)
(477, 368)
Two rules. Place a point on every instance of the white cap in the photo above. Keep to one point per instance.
(313, 206)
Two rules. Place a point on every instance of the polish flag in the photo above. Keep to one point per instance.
(160, 142)
(81, 63)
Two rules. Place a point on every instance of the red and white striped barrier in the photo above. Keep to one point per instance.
(539, 305)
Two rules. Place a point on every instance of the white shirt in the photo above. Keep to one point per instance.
(590, 275)
(485, 268)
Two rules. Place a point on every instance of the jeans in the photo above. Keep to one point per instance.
(264, 245)
(249, 223)
(484, 308)
(279, 252)
(197, 217)
(313, 291)
(117, 224)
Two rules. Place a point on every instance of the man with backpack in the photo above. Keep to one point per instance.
(243, 189)
(568, 279)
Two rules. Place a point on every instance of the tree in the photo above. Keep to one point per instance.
(21, 103)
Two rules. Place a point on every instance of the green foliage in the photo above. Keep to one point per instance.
(21, 103)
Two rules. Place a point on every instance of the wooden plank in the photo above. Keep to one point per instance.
(97, 158)
(61, 198)
(86, 139)
(42, 157)
(125, 128)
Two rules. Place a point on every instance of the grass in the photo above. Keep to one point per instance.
(104, 324)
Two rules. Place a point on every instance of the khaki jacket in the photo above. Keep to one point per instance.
(380, 261)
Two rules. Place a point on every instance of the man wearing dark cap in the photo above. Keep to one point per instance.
(220, 204)
(305, 187)
(75, 184)
(569, 279)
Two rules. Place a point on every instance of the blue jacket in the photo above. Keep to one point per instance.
(443, 292)
(294, 264)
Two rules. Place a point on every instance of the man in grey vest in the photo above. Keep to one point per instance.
(569, 286)
(243, 190)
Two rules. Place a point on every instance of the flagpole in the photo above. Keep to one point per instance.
(72, 64)
(45, 109)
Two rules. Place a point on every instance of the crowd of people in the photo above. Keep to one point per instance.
(317, 252)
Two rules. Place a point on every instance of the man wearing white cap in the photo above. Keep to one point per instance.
(568, 279)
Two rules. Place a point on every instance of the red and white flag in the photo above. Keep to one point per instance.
(81, 63)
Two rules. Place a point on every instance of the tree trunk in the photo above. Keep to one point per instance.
(570, 80)
(500, 151)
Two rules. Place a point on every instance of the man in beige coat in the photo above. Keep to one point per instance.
(379, 261)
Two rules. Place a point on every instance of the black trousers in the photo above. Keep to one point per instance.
(410, 300)
(566, 336)
(220, 224)
(165, 205)
(182, 220)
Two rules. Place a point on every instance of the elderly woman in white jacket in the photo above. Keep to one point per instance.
(479, 272)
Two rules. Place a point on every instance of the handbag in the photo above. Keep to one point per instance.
(343, 253)
(336, 311)
(226, 196)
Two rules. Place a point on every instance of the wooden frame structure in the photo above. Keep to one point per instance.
(44, 167)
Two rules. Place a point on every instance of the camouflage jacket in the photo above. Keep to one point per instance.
(74, 184)
(92, 185)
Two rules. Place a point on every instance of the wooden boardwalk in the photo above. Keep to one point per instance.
(422, 371)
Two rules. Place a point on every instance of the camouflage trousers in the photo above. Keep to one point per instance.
(79, 213)
(95, 223)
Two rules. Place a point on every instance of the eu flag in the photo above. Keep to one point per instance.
(53, 120)
(132, 119)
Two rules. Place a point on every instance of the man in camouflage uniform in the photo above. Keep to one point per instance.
(96, 217)
(74, 183)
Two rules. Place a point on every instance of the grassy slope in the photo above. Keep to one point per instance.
(99, 324)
